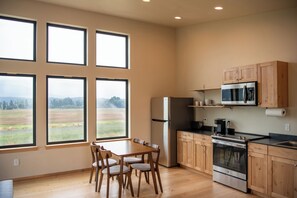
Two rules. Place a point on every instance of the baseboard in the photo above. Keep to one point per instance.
(50, 174)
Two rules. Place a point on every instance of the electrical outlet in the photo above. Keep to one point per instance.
(287, 127)
(16, 162)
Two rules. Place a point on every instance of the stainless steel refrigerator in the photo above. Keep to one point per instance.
(168, 115)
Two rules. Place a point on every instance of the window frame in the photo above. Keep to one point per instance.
(33, 109)
(84, 114)
(34, 37)
(71, 28)
(126, 49)
(126, 111)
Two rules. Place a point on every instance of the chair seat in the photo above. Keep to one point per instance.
(131, 160)
(111, 162)
(115, 170)
(142, 166)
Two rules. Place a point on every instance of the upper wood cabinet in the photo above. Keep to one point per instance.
(246, 73)
(273, 84)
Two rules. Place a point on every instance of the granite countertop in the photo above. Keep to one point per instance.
(199, 131)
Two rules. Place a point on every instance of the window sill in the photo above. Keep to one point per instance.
(113, 140)
(19, 149)
(68, 145)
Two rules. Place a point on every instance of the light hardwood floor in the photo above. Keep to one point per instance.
(177, 182)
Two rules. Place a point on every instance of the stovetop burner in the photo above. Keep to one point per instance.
(238, 137)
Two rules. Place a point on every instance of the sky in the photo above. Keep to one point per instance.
(12, 86)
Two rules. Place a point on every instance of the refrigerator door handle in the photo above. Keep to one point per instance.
(157, 120)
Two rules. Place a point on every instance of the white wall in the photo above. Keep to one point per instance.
(204, 50)
(152, 59)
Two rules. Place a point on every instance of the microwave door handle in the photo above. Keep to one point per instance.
(245, 94)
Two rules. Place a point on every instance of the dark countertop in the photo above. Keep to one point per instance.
(273, 139)
(198, 131)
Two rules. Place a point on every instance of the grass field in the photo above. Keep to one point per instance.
(64, 125)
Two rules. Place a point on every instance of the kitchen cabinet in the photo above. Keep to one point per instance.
(246, 73)
(272, 171)
(203, 153)
(185, 148)
(257, 167)
(273, 84)
(282, 172)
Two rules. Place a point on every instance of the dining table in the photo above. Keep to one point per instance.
(126, 148)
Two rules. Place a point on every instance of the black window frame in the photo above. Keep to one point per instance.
(126, 49)
(71, 28)
(127, 108)
(85, 110)
(33, 108)
(34, 37)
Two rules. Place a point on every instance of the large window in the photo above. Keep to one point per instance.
(66, 44)
(66, 109)
(112, 108)
(17, 110)
(111, 50)
(17, 39)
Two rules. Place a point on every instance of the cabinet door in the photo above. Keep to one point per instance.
(179, 150)
(188, 152)
(273, 84)
(208, 158)
(230, 75)
(257, 172)
(248, 73)
(282, 177)
(198, 156)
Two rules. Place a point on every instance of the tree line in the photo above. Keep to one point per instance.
(78, 102)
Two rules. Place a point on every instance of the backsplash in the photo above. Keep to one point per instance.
(250, 119)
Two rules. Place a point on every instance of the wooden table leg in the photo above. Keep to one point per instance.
(153, 172)
(121, 177)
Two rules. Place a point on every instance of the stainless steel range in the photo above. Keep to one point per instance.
(230, 159)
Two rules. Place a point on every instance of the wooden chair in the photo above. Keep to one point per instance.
(111, 171)
(97, 164)
(145, 167)
(132, 160)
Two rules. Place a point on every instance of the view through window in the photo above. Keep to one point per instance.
(112, 108)
(17, 39)
(66, 44)
(17, 110)
(66, 110)
(111, 50)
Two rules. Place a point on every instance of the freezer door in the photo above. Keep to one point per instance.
(160, 108)
(161, 136)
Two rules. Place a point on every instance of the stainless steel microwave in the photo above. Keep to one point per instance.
(239, 94)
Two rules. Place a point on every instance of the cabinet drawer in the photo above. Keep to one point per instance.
(282, 152)
(200, 137)
(257, 148)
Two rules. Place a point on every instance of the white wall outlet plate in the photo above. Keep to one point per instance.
(16, 162)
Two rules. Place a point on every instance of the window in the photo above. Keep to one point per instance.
(111, 50)
(112, 108)
(66, 44)
(66, 109)
(17, 110)
(17, 39)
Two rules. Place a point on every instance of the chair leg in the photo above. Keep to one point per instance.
(91, 174)
(130, 182)
(159, 179)
(146, 179)
(100, 182)
(139, 180)
(96, 179)
(107, 189)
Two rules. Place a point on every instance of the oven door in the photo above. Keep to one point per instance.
(230, 158)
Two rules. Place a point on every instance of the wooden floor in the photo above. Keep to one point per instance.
(177, 182)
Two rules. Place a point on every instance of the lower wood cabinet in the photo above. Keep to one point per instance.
(194, 151)
(272, 172)
(203, 153)
(185, 148)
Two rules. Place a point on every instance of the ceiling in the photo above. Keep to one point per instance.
(163, 11)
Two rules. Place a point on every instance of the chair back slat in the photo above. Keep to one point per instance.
(156, 152)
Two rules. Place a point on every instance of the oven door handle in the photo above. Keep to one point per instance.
(227, 143)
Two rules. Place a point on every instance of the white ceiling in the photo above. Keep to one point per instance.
(163, 11)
